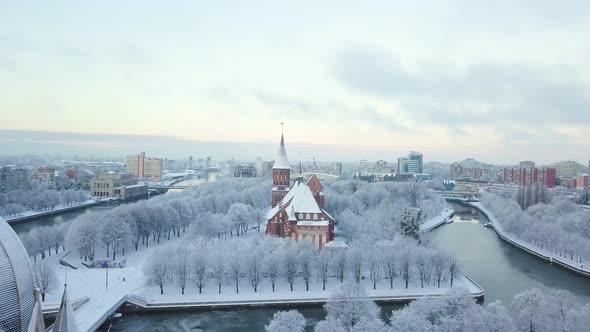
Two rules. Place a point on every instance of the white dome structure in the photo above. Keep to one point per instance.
(17, 294)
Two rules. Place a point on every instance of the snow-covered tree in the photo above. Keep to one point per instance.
(306, 259)
(273, 263)
(286, 321)
(290, 263)
(350, 305)
(45, 277)
(218, 265)
(181, 267)
(158, 269)
(200, 264)
(254, 268)
(323, 266)
(339, 264)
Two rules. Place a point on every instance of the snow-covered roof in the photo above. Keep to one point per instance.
(282, 162)
(299, 199)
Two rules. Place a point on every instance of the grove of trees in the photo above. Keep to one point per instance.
(38, 198)
(260, 260)
(350, 310)
(561, 226)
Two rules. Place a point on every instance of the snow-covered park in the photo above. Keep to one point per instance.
(538, 229)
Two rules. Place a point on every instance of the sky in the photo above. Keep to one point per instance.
(500, 81)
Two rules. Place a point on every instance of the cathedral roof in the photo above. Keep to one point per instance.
(282, 162)
(299, 199)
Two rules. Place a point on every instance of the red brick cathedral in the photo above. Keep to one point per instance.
(298, 208)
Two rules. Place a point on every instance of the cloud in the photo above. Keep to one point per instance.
(492, 94)
(330, 111)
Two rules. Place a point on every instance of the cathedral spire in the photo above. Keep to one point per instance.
(65, 321)
(282, 162)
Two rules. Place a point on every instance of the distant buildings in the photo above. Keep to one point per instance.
(145, 168)
(122, 186)
(526, 164)
(245, 170)
(582, 181)
(458, 171)
(526, 176)
(45, 175)
(13, 178)
(568, 168)
(337, 168)
(412, 164)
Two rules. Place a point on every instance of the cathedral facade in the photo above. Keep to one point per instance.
(297, 207)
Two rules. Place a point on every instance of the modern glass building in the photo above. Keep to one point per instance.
(17, 286)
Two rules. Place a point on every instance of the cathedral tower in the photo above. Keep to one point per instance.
(281, 175)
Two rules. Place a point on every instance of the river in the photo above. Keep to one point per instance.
(502, 270)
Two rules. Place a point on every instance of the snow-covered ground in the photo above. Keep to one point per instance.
(150, 296)
(130, 282)
(548, 255)
(58, 208)
(443, 217)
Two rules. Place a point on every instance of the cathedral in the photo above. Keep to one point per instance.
(297, 208)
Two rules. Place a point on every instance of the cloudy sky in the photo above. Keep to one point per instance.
(495, 80)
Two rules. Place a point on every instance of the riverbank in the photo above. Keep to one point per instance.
(150, 299)
(59, 209)
(445, 216)
(582, 269)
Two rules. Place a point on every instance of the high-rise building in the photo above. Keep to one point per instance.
(416, 162)
(145, 168)
(527, 176)
(456, 170)
(582, 181)
(568, 168)
(190, 163)
(337, 168)
(13, 178)
(45, 175)
(402, 165)
(412, 164)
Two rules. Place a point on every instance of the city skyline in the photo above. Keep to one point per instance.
(452, 79)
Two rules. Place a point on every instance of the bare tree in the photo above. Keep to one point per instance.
(182, 267)
(199, 265)
(405, 266)
(306, 258)
(323, 265)
(254, 268)
(339, 265)
(45, 276)
(374, 263)
(157, 268)
(453, 266)
(290, 264)
(218, 265)
(389, 265)
(272, 269)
